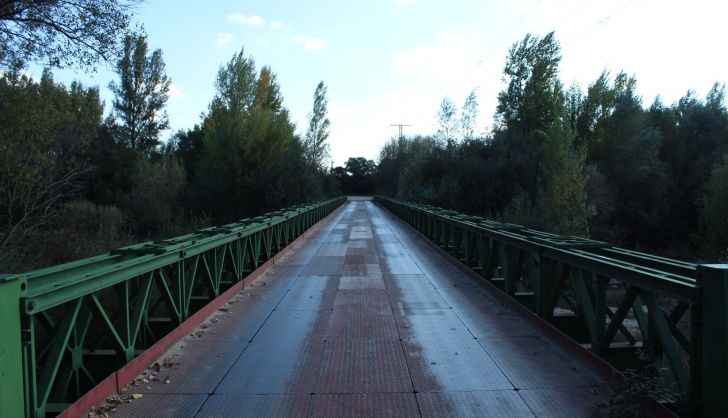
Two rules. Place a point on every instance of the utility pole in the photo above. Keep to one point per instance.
(400, 126)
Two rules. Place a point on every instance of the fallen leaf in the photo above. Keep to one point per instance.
(136, 395)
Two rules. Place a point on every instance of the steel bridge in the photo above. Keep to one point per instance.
(365, 308)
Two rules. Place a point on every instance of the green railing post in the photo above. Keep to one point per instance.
(713, 373)
(12, 398)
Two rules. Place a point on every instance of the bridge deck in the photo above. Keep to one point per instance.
(366, 319)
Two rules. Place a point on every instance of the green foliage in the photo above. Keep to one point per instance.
(534, 96)
(246, 132)
(562, 204)
(87, 186)
(62, 32)
(153, 200)
(715, 219)
(87, 217)
(446, 121)
(141, 94)
(316, 149)
(357, 176)
(469, 116)
(592, 163)
(44, 130)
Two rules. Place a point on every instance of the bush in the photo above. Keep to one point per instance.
(84, 216)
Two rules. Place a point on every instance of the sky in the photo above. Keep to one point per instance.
(391, 62)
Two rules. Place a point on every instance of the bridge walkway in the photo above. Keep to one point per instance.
(366, 319)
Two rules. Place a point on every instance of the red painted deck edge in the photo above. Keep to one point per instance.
(608, 372)
(116, 381)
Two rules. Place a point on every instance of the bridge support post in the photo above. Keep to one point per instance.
(711, 373)
(12, 398)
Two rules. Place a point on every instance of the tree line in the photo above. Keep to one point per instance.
(595, 162)
(74, 183)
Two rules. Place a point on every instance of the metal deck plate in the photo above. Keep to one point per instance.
(359, 244)
(335, 237)
(255, 406)
(332, 336)
(501, 320)
(361, 270)
(363, 366)
(382, 405)
(386, 238)
(391, 249)
(361, 259)
(477, 404)
(399, 265)
(430, 324)
(516, 356)
(361, 321)
(282, 358)
(361, 283)
(453, 364)
(161, 406)
(567, 402)
(198, 369)
(337, 250)
(310, 293)
(376, 298)
(323, 266)
(417, 295)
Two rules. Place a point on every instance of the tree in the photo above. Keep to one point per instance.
(715, 207)
(316, 149)
(44, 129)
(141, 94)
(533, 98)
(61, 33)
(359, 176)
(469, 116)
(154, 198)
(247, 131)
(446, 120)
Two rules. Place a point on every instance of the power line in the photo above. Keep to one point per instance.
(501, 40)
(602, 22)
(528, 13)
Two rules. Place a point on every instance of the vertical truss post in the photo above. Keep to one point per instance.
(11, 348)
(713, 362)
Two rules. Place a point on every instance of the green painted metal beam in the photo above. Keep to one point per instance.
(50, 318)
(557, 268)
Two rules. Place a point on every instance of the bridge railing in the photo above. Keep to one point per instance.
(624, 305)
(66, 327)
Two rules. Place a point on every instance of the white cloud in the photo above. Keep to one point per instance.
(286, 33)
(252, 20)
(224, 39)
(404, 2)
(175, 92)
(445, 57)
(310, 43)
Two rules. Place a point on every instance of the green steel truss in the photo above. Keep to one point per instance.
(65, 328)
(595, 292)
